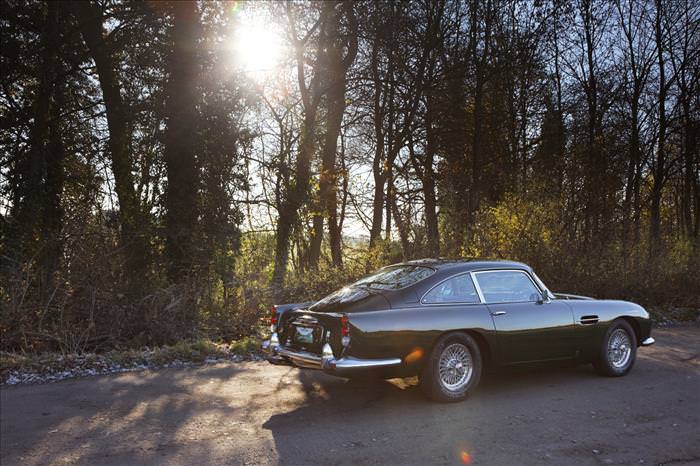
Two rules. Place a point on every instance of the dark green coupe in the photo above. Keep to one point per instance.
(446, 320)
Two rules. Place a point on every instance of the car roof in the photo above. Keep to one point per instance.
(467, 264)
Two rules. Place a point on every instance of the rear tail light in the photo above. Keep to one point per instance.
(273, 318)
(345, 330)
(344, 326)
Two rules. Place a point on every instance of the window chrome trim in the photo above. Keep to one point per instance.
(478, 287)
(466, 303)
(542, 286)
(524, 272)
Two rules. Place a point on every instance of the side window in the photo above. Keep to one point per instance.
(459, 289)
(507, 287)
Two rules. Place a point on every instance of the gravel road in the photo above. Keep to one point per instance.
(255, 413)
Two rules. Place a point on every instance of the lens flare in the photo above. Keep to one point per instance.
(465, 457)
(233, 7)
(415, 355)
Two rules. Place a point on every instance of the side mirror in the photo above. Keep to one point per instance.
(544, 297)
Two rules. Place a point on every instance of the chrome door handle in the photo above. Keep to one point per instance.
(588, 320)
(498, 313)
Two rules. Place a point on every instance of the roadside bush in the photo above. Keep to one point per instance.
(532, 232)
(85, 307)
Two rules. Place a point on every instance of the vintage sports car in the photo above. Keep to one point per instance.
(446, 320)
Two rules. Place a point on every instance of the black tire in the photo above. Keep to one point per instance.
(605, 364)
(430, 381)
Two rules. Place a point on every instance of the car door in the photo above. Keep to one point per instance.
(528, 328)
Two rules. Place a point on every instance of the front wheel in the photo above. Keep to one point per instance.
(453, 368)
(618, 352)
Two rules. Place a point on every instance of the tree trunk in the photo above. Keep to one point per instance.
(690, 164)
(378, 161)
(400, 224)
(316, 238)
(131, 216)
(693, 176)
(660, 165)
(29, 196)
(336, 74)
(632, 164)
(594, 171)
(180, 137)
(298, 192)
(390, 197)
(53, 189)
(289, 214)
(686, 199)
(375, 233)
(344, 185)
(479, 60)
(282, 237)
(431, 220)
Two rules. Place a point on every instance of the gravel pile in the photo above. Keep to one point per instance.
(672, 316)
(47, 368)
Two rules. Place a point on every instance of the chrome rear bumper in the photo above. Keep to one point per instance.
(648, 342)
(279, 355)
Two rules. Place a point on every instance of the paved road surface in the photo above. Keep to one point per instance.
(255, 413)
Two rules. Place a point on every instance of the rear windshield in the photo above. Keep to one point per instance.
(395, 277)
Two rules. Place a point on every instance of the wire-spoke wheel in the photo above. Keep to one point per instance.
(453, 368)
(619, 350)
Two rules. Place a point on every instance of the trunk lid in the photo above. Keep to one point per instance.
(306, 330)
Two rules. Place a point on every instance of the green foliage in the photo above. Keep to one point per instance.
(532, 232)
(245, 345)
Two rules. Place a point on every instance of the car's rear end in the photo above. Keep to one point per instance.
(317, 340)
(336, 333)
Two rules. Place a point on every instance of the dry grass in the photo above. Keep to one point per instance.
(55, 366)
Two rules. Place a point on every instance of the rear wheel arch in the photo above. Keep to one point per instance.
(454, 354)
(484, 347)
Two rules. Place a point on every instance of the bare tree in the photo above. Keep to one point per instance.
(638, 48)
(297, 193)
(336, 65)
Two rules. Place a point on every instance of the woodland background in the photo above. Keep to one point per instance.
(154, 190)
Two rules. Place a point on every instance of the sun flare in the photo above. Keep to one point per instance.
(257, 46)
